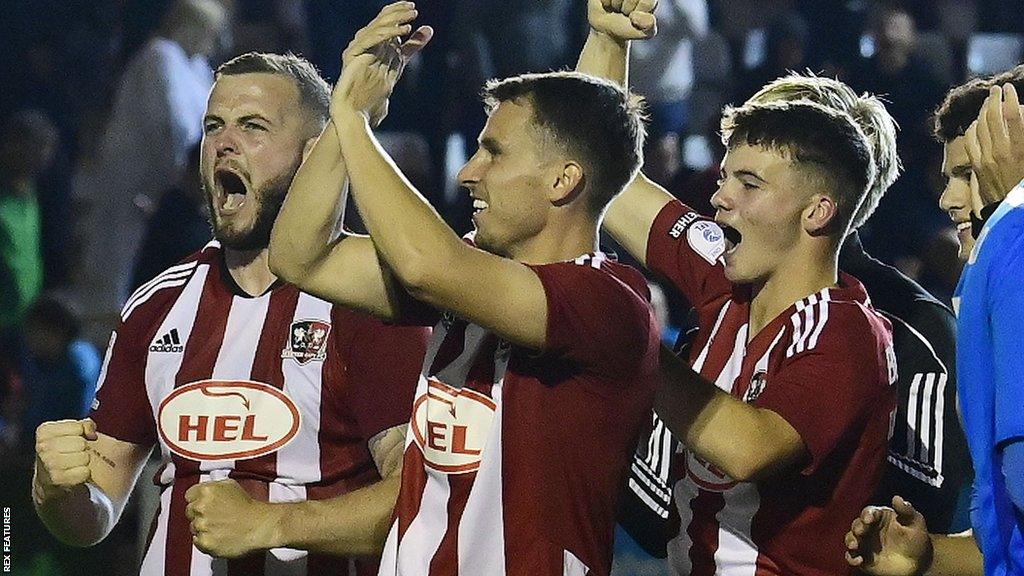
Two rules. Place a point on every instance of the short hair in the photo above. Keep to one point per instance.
(866, 110)
(314, 92)
(961, 106)
(590, 119)
(811, 135)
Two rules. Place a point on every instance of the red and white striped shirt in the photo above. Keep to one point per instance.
(281, 392)
(825, 365)
(514, 458)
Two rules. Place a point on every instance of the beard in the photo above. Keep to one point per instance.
(269, 197)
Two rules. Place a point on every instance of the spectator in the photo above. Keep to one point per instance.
(907, 213)
(61, 369)
(155, 119)
(662, 67)
(786, 49)
(178, 227)
(27, 143)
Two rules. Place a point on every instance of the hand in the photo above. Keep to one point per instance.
(62, 456)
(226, 522)
(995, 146)
(623, 19)
(381, 38)
(889, 541)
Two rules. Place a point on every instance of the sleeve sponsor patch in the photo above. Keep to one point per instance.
(707, 240)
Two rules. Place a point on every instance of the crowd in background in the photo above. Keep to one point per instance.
(101, 110)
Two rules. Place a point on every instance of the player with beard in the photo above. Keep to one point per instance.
(279, 417)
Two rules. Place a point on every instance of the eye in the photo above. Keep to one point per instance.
(210, 126)
(250, 125)
(747, 185)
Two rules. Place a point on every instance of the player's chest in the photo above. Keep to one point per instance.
(739, 363)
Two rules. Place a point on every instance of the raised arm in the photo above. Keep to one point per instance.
(606, 55)
(82, 479)
(429, 260)
(306, 246)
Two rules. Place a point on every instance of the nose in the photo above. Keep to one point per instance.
(722, 199)
(225, 142)
(954, 196)
(469, 174)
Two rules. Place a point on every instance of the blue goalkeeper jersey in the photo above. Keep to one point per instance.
(990, 364)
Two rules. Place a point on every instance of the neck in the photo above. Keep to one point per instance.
(250, 270)
(795, 280)
(558, 242)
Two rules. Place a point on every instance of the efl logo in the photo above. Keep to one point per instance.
(451, 427)
(707, 475)
(707, 240)
(226, 420)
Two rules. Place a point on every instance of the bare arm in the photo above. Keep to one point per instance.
(760, 443)
(305, 249)
(355, 523)
(430, 261)
(228, 523)
(606, 55)
(82, 480)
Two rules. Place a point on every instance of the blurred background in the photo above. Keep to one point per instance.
(100, 115)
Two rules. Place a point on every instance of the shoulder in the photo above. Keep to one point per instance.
(830, 322)
(169, 283)
(600, 270)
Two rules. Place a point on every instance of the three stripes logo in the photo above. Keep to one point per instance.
(169, 342)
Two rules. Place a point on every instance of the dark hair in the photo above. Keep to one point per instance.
(52, 313)
(314, 92)
(592, 120)
(812, 135)
(962, 104)
(867, 111)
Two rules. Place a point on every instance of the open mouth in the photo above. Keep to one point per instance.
(232, 190)
(732, 237)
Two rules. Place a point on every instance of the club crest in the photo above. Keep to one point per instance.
(307, 341)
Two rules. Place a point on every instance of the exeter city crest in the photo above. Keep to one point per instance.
(307, 341)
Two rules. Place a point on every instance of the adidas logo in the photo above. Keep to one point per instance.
(169, 342)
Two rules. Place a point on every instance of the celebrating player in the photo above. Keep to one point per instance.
(793, 435)
(981, 125)
(279, 417)
(542, 367)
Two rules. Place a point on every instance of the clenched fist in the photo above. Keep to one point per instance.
(62, 456)
(226, 522)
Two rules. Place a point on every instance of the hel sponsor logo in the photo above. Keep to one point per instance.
(451, 427)
(707, 240)
(226, 420)
(169, 342)
(682, 223)
(307, 341)
(707, 475)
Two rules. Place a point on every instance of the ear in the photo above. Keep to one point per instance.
(568, 184)
(820, 216)
(308, 147)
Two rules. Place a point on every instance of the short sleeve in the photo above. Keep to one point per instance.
(122, 409)
(595, 318)
(685, 248)
(1006, 318)
(828, 390)
(383, 367)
